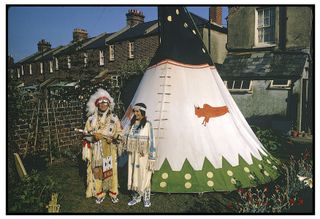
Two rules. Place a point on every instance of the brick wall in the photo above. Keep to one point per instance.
(144, 49)
(63, 118)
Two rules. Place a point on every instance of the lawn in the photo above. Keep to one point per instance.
(72, 195)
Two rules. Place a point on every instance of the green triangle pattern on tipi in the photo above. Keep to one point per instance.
(209, 179)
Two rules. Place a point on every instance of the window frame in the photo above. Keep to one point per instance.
(239, 90)
(112, 52)
(69, 62)
(131, 49)
(280, 86)
(56, 63)
(85, 59)
(51, 66)
(272, 26)
(41, 67)
(30, 68)
(101, 57)
(18, 73)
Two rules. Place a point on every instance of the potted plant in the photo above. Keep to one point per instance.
(294, 132)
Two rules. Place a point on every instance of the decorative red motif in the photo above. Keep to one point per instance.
(209, 112)
(107, 174)
(86, 144)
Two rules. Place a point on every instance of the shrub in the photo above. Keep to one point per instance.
(269, 139)
(31, 194)
(278, 198)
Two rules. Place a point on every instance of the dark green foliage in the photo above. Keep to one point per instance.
(37, 162)
(269, 138)
(15, 104)
(31, 194)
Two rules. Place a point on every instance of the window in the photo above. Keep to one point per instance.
(280, 84)
(69, 62)
(239, 85)
(131, 50)
(101, 57)
(265, 26)
(22, 71)
(114, 81)
(111, 52)
(30, 69)
(51, 66)
(85, 59)
(41, 68)
(18, 72)
(57, 63)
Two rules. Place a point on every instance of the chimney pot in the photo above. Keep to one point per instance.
(79, 34)
(43, 46)
(134, 17)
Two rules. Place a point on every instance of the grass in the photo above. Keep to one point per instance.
(72, 196)
(70, 176)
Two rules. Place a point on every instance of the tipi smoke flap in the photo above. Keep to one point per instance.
(204, 143)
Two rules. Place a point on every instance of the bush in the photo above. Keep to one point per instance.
(269, 139)
(280, 197)
(31, 194)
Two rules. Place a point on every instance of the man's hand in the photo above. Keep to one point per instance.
(98, 136)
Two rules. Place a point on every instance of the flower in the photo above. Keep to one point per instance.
(229, 205)
(291, 201)
(240, 191)
(300, 201)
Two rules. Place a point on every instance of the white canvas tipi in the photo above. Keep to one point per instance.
(203, 141)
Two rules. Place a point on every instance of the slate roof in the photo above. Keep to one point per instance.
(140, 29)
(28, 58)
(96, 42)
(201, 22)
(47, 55)
(73, 46)
(136, 31)
(263, 65)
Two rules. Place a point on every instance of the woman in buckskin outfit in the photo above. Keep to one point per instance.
(141, 156)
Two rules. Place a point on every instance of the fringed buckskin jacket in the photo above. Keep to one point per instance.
(102, 155)
(140, 145)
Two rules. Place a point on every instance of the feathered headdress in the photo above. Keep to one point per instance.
(100, 96)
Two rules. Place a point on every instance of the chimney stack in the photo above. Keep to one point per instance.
(10, 60)
(134, 17)
(216, 15)
(43, 46)
(79, 35)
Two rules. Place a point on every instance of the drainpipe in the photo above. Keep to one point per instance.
(282, 27)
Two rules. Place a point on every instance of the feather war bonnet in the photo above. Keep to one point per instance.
(100, 95)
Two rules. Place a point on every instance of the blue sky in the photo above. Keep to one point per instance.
(28, 25)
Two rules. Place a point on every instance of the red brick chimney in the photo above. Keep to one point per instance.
(10, 60)
(43, 46)
(216, 14)
(134, 17)
(79, 34)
